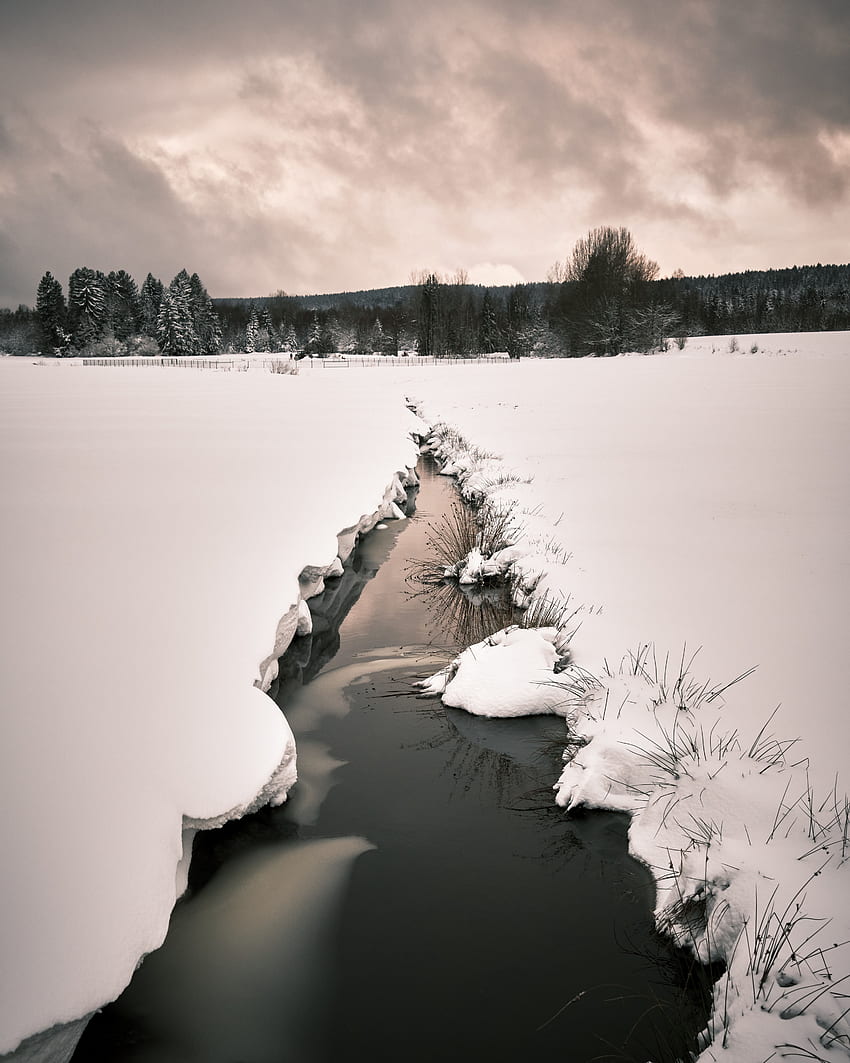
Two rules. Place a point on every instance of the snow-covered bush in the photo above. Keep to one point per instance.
(288, 366)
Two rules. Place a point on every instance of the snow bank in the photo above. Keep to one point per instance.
(153, 526)
(696, 499)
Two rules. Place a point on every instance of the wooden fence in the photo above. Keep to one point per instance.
(184, 363)
(271, 362)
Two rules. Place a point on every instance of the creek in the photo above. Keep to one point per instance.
(420, 896)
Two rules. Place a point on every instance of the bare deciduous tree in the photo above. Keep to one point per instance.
(608, 263)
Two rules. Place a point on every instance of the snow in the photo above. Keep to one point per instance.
(688, 502)
(508, 674)
(153, 525)
(693, 507)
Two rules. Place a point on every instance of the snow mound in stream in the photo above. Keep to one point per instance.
(511, 673)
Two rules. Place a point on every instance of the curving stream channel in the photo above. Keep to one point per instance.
(419, 897)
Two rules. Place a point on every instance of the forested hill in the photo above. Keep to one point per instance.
(772, 288)
(801, 298)
(378, 298)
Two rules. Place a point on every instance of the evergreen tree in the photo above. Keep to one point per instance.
(123, 313)
(314, 336)
(519, 321)
(329, 335)
(264, 336)
(182, 288)
(208, 330)
(378, 340)
(251, 331)
(51, 314)
(86, 306)
(432, 325)
(459, 317)
(172, 326)
(204, 318)
(489, 337)
(175, 330)
(150, 299)
(289, 344)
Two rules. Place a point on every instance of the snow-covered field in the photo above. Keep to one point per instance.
(153, 525)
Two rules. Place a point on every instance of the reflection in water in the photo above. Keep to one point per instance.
(460, 616)
(247, 968)
(329, 697)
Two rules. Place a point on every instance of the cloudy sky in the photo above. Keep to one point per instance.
(341, 144)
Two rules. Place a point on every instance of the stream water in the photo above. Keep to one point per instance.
(419, 897)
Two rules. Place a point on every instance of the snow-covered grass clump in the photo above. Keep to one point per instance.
(153, 528)
(751, 861)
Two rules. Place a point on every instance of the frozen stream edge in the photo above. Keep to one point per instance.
(768, 903)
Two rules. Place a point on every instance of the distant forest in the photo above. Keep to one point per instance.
(604, 300)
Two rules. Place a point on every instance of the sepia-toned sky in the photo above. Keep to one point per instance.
(336, 144)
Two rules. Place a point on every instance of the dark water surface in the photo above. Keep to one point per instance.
(419, 897)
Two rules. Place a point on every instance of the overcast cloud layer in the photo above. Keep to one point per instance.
(332, 145)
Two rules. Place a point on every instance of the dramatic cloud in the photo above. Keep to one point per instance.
(332, 145)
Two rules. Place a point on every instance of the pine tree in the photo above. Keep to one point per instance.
(432, 325)
(175, 330)
(86, 306)
(264, 340)
(489, 337)
(172, 332)
(519, 321)
(289, 344)
(378, 339)
(208, 329)
(314, 337)
(51, 313)
(204, 318)
(329, 335)
(251, 331)
(182, 297)
(150, 299)
(123, 313)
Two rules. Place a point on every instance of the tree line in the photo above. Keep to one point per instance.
(108, 315)
(604, 298)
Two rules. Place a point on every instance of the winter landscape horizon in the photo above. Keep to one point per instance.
(446, 661)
